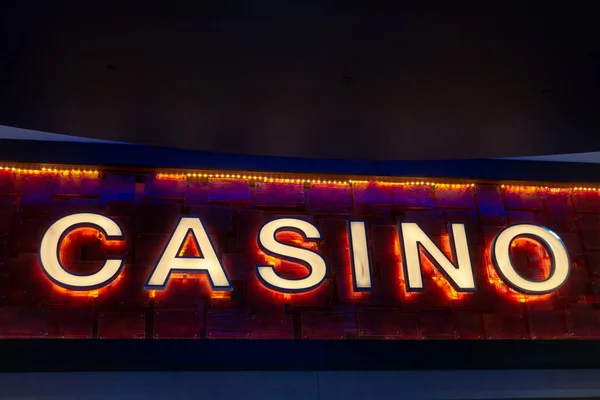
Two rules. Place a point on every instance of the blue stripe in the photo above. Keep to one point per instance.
(131, 155)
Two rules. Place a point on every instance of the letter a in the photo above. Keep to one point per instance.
(170, 260)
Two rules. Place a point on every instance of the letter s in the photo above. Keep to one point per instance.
(268, 242)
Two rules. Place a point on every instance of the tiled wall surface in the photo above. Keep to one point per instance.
(148, 208)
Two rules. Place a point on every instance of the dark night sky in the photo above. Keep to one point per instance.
(430, 79)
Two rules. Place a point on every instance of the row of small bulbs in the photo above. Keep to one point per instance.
(270, 179)
(44, 170)
(415, 183)
(355, 182)
(304, 180)
(253, 177)
(551, 189)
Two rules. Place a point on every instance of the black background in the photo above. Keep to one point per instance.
(152, 355)
(356, 79)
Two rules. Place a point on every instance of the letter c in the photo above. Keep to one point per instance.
(50, 260)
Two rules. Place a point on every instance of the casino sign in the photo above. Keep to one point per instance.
(89, 252)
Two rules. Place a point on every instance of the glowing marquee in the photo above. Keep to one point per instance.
(458, 271)
(88, 253)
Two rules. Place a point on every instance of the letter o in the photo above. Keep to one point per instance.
(502, 260)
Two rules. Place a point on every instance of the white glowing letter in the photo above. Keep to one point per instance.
(557, 251)
(170, 260)
(459, 276)
(361, 266)
(268, 242)
(50, 260)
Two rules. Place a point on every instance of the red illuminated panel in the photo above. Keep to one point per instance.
(548, 324)
(583, 323)
(505, 326)
(387, 324)
(27, 283)
(589, 231)
(8, 183)
(491, 206)
(585, 200)
(335, 324)
(80, 183)
(285, 195)
(329, 198)
(157, 216)
(179, 323)
(241, 324)
(437, 324)
(469, 325)
(413, 197)
(454, 197)
(372, 199)
(161, 187)
(70, 321)
(22, 322)
(7, 215)
(122, 325)
(232, 191)
(234, 207)
(560, 211)
(524, 197)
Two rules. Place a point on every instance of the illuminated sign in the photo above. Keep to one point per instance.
(414, 242)
(216, 255)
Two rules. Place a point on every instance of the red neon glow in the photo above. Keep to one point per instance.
(404, 294)
(538, 265)
(189, 248)
(99, 248)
